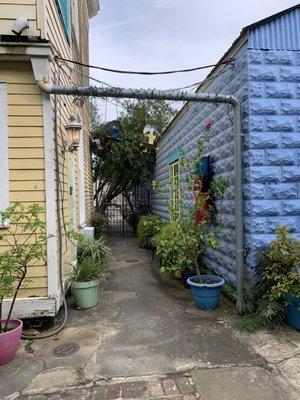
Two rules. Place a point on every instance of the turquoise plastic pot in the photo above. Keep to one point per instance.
(292, 311)
(86, 294)
(206, 295)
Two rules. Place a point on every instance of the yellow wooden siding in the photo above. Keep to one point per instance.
(26, 152)
(10, 10)
(55, 33)
(25, 131)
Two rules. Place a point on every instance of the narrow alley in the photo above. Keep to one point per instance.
(144, 340)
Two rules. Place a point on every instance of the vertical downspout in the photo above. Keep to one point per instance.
(58, 199)
(238, 197)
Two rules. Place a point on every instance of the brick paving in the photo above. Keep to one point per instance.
(172, 387)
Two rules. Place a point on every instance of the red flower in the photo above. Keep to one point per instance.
(208, 124)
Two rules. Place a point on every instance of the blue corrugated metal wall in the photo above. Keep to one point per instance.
(280, 34)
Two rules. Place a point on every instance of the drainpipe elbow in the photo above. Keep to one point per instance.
(44, 85)
(234, 101)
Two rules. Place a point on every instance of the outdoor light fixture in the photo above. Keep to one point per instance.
(73, 129)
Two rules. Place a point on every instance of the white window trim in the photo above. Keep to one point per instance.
(4, 162)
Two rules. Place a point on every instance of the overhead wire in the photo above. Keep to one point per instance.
(117, 103)
(118, 71)
(96, 80)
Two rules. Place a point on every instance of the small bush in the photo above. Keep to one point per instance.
(97, 250)
(148, 227)
(131, 217)
(99, 221)
(175, 246)
(264, 304)
(92, 259)
(87, 270)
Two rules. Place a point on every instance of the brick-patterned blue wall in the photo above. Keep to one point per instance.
(267, 82)
(272, 162)
(184, 135)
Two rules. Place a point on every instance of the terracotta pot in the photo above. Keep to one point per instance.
(10, 340)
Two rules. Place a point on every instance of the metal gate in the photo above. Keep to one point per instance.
(119, 218)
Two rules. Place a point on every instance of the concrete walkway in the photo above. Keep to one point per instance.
(145, 340)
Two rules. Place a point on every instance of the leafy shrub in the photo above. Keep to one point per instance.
(99, 221)
(97, 250)
(180, 243)
(87, 270)
(92, 259)
(130, 217)
(264, 305)
(148, 227)
(25, 244)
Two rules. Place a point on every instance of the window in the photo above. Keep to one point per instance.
(174, 190)
(64, 7)
(4, 168)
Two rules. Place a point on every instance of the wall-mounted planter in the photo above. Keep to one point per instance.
(293, 311)
(206, 295)
(10, 340)
(86, 294)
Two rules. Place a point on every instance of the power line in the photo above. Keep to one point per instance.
(117, 71)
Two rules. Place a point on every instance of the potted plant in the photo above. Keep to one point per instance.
(92, 258)
(279, 273)
(275, 294)
(25, 243)
(182, 242)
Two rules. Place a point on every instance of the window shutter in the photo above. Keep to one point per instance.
(65, 13)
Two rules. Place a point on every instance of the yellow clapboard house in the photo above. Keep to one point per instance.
(36, 164)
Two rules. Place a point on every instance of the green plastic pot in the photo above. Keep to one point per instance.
(86, 294)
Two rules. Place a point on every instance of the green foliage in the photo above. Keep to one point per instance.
(87, 270)
(92, 259)
(148, 227)
(278, 265)
(119, 167)
(97, 250)
(99, 221)
(180, 243)
(130, 216)
(25, 243)
(264, 305)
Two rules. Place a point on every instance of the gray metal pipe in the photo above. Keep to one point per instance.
(177, 95)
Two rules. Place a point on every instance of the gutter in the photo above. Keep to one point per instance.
(153, 94)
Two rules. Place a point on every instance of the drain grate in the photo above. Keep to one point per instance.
(131, 261)
(66, 350)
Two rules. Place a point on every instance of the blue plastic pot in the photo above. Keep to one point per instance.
(292, 311)
(206, 295)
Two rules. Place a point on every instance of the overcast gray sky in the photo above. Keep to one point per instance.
(168, 34)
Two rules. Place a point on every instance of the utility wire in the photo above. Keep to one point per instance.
(117, 71)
